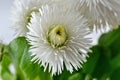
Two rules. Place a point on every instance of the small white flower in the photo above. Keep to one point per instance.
(21, 14)
(58, 37)
(100, 12)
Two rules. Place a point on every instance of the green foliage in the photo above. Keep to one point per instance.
(103, 62)
(20, 57)
(5, 70)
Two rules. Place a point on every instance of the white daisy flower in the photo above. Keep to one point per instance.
(100, 13)
(58, 38)
(21, 14)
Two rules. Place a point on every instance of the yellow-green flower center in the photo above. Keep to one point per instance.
(57, 36)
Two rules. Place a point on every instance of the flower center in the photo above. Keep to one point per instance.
(57, 36)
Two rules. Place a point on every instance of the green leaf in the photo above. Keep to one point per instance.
(111, 40)
(5, 71)
(26, 70)
(89, 66)
(76, 76)
(105, 57)
(98, 64)
(115, 75)
(115, 62)
(103, 68)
